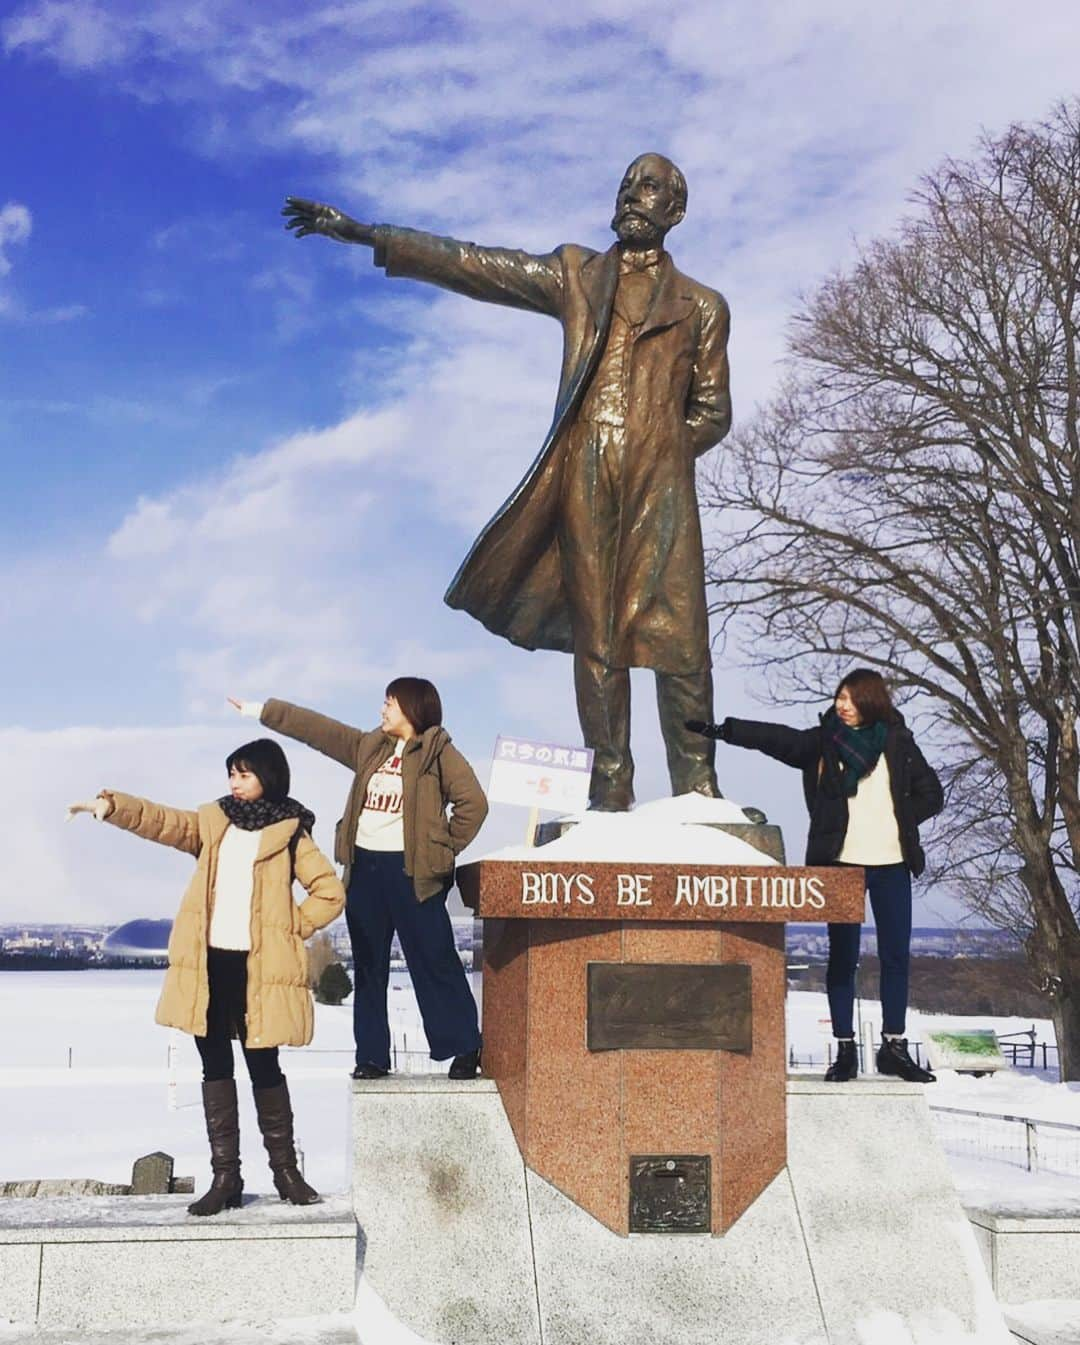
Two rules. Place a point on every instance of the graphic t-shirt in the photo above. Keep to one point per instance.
(379, 825)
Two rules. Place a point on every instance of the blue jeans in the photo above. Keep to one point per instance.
(380, 900)
(889, 886)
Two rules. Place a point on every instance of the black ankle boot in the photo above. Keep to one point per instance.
(893, 1058)
(465, 1066)
(846, 1065)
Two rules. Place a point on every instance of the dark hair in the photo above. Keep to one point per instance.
(418, 700)
(870, 695)
(264, 759)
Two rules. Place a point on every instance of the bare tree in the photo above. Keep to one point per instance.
(911, 501)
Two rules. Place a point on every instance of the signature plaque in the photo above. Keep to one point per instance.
(676, 1006)
(669, 1194)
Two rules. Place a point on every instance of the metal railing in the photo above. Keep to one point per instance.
(812, 1061)
(1020, 1141)
(402, 1059)
(1042, 1055)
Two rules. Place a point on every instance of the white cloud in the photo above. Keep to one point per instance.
(83, 36)
(16, 224)
(316, 566)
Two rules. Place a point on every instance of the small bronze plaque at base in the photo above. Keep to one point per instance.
(669, 1006)
(669, 1193)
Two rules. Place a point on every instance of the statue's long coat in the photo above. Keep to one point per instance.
(653, 615)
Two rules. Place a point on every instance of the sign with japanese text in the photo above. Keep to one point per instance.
(540, 775)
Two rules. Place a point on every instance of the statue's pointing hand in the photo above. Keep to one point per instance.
(312, 217)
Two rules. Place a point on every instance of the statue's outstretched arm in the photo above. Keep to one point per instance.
(312, 217)
(495, 275)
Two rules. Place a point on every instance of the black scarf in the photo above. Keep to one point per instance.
(858, 749)
(258, 813)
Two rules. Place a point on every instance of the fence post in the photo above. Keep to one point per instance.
(170, 1086)
(1032, 1136)
(869, 1061)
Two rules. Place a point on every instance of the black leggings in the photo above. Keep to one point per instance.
(226, 1018)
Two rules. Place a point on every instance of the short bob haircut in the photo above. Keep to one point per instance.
(418, 701)
(264, 759)
(870, 695)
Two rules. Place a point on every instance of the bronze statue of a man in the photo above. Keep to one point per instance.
(598, 551)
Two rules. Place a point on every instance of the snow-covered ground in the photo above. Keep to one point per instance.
(118, 1099)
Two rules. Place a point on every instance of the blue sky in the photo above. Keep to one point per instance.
(235, 463)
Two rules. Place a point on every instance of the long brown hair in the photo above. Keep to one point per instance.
(868, 691)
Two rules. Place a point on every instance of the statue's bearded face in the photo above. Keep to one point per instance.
(649, 202)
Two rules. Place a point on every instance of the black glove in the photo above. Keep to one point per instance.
(706, 730)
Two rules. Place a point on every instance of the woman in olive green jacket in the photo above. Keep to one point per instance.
(397, 847)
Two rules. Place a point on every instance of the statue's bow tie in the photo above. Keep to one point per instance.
(639, 261)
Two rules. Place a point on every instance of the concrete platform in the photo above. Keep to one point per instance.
(90, 1262)
(1051, 1323)
(861, 1236)
(1030, 1254)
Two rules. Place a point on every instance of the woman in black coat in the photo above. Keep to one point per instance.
(868, 788)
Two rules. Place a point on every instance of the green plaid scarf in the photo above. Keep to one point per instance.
(858, 749)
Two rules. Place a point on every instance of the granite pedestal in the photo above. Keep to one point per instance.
(859, 1237)
(700, 1093)
(95, 1262)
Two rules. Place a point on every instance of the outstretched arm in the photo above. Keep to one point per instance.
(326, 735)
(178, 827)
(794, 747)
(495, 275)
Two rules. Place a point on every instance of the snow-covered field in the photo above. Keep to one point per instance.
(115, 1101)
(119, 1098)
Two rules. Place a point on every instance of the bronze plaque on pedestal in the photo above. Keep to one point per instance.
(669, 1194)
(669, 1006)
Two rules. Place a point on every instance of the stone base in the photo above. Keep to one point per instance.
(96, 1262)
(860, 1236)
(1030, 1255)
(439, 1194)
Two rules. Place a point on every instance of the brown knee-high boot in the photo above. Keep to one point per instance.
(274, 1111)
(223, 1131)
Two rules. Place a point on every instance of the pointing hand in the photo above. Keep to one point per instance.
(250, 709)
(98, 808)
(305, 217)
(706, 730)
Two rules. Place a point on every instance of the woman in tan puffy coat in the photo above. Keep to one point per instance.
(237, 962)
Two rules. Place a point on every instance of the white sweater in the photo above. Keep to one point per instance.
(872, 834)
(230, 922)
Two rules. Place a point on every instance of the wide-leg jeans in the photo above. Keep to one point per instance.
(381, 900)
